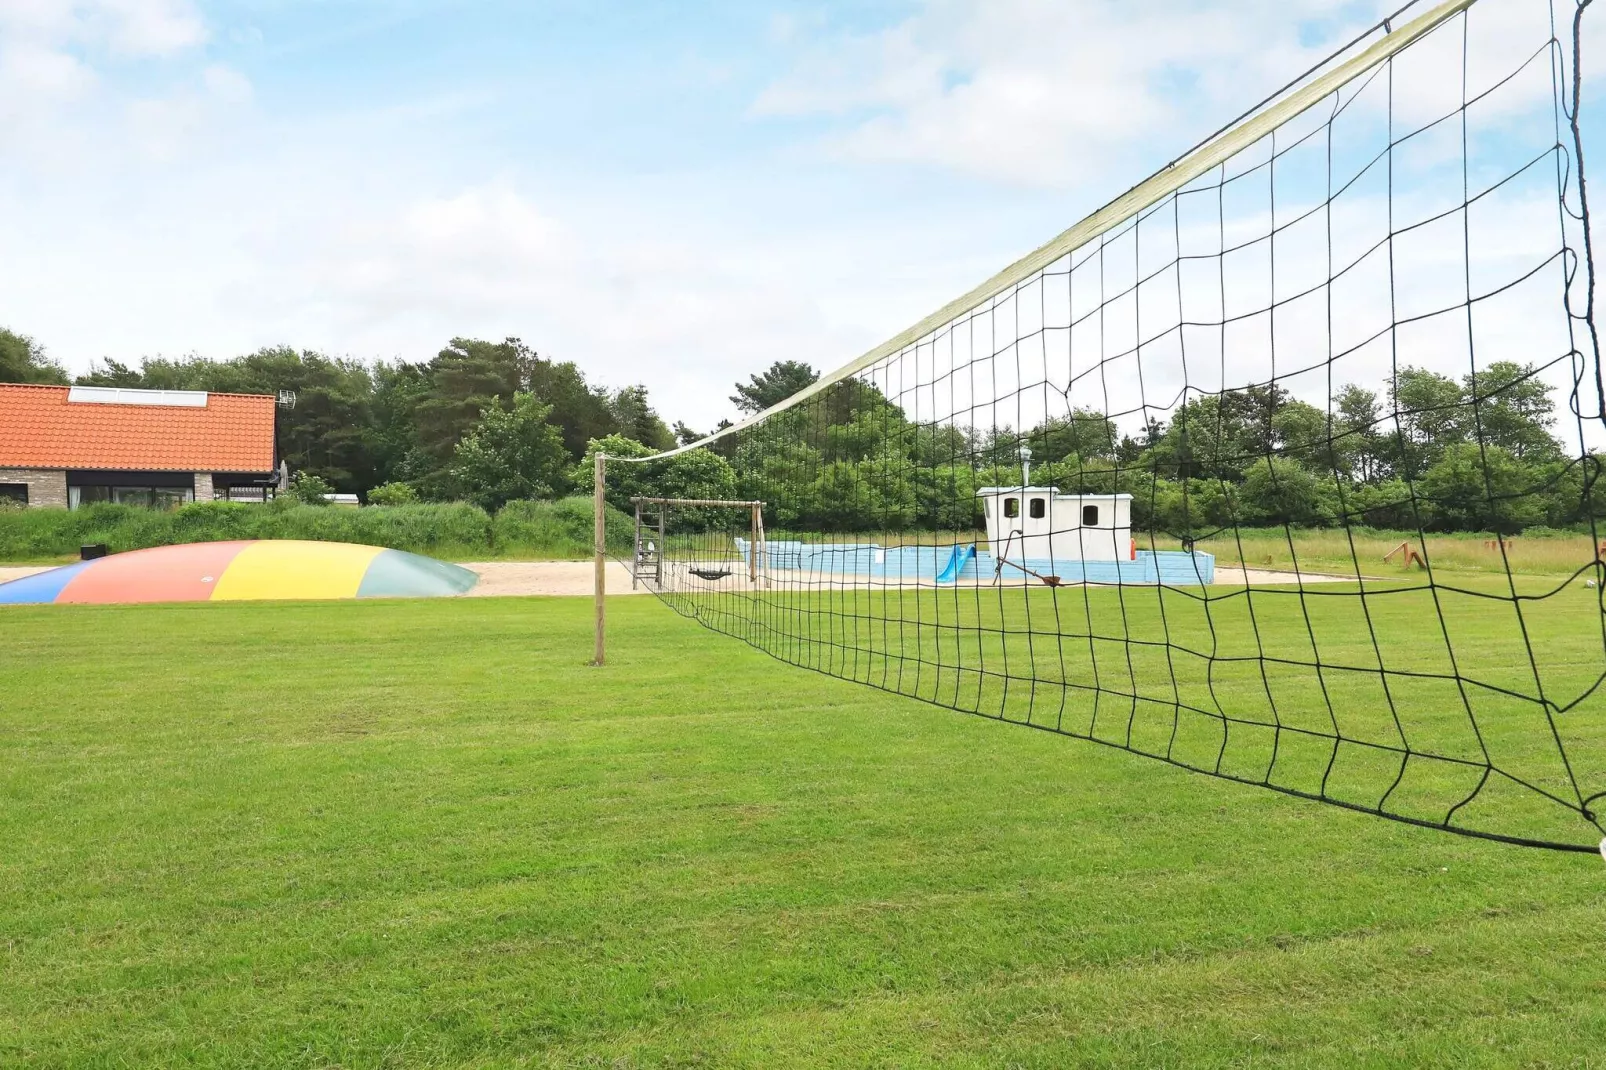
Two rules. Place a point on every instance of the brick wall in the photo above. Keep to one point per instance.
(203, 486)
(45, 486)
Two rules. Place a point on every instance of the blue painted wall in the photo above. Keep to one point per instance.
(1172, 567)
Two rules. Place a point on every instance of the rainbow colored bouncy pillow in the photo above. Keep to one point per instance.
(240, 571)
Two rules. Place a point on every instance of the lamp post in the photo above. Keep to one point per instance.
(1025, 467)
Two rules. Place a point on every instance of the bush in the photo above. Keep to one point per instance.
(393, 494)
(457, 529)
(557, 529)
(309, 489)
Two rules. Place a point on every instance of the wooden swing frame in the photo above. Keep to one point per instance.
(600, 543)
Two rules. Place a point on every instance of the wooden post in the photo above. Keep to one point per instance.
(663, 533)
(761, 547)
(752, 546)
(635, 553)
(600, 548)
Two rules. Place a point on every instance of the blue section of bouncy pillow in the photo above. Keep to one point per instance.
(41, 586)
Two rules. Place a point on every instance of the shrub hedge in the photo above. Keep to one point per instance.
(549, 529)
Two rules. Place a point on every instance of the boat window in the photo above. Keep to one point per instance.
(1090, 515)
(1012, 507)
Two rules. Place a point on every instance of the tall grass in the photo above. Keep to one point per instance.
(1541, 552)
(560, 529)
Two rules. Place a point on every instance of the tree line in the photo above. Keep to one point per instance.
(1472, 454)
(493, 422)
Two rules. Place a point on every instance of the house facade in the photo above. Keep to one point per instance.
(69, 446)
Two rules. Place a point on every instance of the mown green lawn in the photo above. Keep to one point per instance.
(427, 834)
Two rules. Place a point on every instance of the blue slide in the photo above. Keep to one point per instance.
(957, 561)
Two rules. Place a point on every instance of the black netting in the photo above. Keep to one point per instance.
(1287, 477)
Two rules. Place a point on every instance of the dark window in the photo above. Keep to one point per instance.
(14, 492)
(77, 496)
(1012, 507)
(1090, 516)
(1038, 509)
(149, 497)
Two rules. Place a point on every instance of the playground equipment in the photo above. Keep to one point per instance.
(1410, 553)
(957, 560)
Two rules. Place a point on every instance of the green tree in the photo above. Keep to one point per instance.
(510, 453)
(1218, 436)
(579, 409)
(865, 496)
(1428, 414)
(933, 445)
(1276, 490)
(1355, 435)
(774, 385)
(1188, 508)
(1300, 431)
(1386, 503)
(22, 360)
(398, 391)
(634, 418)
(696, 474)
(945, 498)
(1510, 407)
(1085, 432)
(466, 378)
(1480, 488)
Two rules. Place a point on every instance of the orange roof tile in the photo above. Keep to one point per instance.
(40, 429)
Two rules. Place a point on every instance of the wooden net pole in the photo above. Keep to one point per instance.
(663, 534)
(635, 553)
(600, 550)
(752, 547)
(760, 547)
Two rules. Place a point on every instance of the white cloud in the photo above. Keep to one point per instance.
(1059, 92)
(628, 307)
(33, 76)
(128, 27)
(52, 55)
(147, 27)
(225, 84)
(1042, 91)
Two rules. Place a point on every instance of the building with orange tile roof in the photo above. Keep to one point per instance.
(70, 446)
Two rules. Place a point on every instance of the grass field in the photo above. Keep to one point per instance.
(1471, 703)
(427, 834)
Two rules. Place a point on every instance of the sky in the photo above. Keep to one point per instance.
(668, 194)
